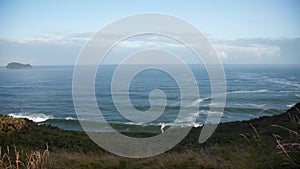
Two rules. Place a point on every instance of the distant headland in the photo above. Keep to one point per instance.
(16, 65)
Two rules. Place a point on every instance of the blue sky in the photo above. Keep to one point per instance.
(256, 27)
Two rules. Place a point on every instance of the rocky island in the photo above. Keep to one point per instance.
(16, 65)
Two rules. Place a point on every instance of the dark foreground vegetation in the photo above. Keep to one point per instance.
(267, 142)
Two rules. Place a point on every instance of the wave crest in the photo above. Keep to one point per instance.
(36, 117)
(249, 91)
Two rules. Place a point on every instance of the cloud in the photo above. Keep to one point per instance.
(222, 54)
(62, 47)
(260, 50)
(55, 37)
(37, 52)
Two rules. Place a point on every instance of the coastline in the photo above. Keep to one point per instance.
(243, 144)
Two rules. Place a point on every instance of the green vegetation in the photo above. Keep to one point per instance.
(267, 142)
(9, 124)
(16, 65)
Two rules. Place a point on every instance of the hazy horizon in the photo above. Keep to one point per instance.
(246, 32)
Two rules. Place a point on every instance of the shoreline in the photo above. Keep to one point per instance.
(73, 124)
(243, 144)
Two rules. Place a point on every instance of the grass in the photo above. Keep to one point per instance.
(17, 160)
(290, 146)
(267, 142)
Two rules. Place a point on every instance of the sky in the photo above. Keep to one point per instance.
(243, 32)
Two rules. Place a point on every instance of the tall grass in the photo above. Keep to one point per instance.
(19, 160)
(260, 154)
(290, 147)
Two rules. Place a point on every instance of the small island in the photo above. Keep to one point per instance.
(16, 65)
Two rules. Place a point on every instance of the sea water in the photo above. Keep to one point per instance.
(44, 94)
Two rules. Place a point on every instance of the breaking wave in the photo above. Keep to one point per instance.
(248, 91)
(36, 117)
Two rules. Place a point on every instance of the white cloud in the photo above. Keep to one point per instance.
(56, 38)
(63, 48)
(222, 54)
(250, 51)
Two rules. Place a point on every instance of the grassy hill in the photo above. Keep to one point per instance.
(266, 142)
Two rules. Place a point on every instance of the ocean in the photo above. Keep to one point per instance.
(44, 94)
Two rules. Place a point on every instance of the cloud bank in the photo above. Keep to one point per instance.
(62, 48)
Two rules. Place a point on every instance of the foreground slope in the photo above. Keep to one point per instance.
(266, 142)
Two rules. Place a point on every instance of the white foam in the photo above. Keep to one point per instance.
(135, 123)
(251, 105)
(162, 126)
(283, 82)
(70, 118)
(248, 91)
(290, 105)
(188, 120)
(197, 125)
(209, 112)
(195, 102)
(36, 117)
(199, 100)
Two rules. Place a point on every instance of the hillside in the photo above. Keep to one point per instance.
(266, 142)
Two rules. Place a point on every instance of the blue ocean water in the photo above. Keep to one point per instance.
(44, 94)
